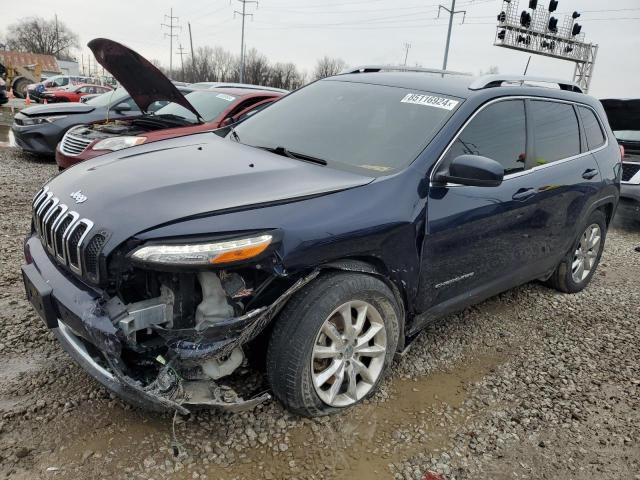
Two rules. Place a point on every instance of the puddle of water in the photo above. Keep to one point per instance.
(6, 137)
(362, 432)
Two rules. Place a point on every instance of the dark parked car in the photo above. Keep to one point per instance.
(199, 111)
(624, 118)
(327, 229)
(4, 98)
(38, 129)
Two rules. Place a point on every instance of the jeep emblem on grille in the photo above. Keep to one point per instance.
(78, 196)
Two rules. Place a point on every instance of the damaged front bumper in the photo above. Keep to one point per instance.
(76, 314)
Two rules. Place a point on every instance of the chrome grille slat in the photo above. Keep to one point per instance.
(61, 230)
(73, 144)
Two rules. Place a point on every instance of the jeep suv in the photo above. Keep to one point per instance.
(317, 238)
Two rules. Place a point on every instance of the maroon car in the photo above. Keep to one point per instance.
(198, 111)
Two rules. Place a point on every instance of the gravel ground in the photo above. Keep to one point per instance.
(529, 384)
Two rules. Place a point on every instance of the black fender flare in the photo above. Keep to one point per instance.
(361, 266)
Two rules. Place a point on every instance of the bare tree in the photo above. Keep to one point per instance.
(327, 66)
(37, 35)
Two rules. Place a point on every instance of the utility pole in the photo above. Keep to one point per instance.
(244, 14)
(193, 58)
(182, 53)
(407, 46)
(451, 11)
(171, 36)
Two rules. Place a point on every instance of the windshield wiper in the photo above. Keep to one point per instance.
(297, 156)
(234, 134)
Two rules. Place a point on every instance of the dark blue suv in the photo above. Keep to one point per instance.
(318, 237)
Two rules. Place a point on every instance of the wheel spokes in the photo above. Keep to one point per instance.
(320, 351)
(352, 386)
(361, 369)
(370, 350)
(322, 377)
(330, 330)
(371, 332)
(338, 379)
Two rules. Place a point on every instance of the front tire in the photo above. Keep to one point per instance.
(575, 271)
(333, 343)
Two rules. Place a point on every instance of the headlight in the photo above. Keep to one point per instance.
(203, 253)
(118, 143)
(41, 120)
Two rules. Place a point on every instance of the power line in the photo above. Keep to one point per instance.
(171, 36)
(452, 12)
(243, 14)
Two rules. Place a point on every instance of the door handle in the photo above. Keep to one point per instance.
(589, 173)
(524, 194)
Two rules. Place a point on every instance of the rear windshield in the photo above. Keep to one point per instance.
(374, 128)
(208, 103)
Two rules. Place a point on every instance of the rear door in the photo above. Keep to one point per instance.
(563, 176)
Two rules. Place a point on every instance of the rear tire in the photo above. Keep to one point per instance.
(575, 271)
(342, 327)
(20, 87)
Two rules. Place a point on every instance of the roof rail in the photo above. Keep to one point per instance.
(488, 81)
(398, 68)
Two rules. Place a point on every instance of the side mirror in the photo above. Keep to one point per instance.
(473, 170)
(122, 107)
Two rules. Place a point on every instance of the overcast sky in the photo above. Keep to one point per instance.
(359, 31)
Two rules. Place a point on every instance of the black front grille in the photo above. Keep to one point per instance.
(91, 254)
(629, 170)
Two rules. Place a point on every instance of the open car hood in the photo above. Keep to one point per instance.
(623, 114)
(144, 82)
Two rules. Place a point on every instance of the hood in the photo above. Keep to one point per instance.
(144, 82)
(623, 114)
(144, 187)
(55, 108)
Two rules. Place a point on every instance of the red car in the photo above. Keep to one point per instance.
(74, 94)
(198, 111)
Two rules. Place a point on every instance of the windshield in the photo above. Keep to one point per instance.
(376, 128)
(207, 102)
(112, 97)
(627, 135)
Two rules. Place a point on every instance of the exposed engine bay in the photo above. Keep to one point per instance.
(133, 127)
(186, 337)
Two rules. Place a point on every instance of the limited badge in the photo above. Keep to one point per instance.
(430, 101)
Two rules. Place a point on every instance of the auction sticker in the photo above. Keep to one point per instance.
(430, 101)
(226, 97)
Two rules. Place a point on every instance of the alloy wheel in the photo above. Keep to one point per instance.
(348, 353)
(586, 253)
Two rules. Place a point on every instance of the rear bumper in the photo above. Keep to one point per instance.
(630, 191)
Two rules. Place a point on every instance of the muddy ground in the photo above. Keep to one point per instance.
(529, 384)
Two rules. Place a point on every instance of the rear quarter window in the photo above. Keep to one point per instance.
(592, 129)
(556, 131)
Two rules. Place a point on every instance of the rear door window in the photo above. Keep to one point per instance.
(556, 131)
(592, 129)
(498, 132)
